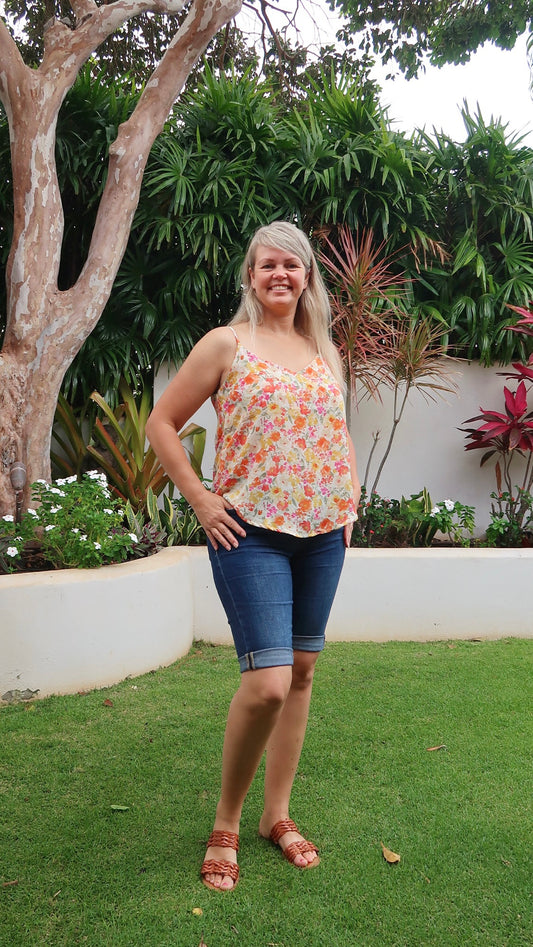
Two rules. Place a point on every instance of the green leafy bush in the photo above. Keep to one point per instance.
(175, 524)
(412, 521)
(77, 524)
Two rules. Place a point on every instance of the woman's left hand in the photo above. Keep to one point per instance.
(348, 534)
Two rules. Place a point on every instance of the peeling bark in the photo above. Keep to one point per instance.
(45, 327)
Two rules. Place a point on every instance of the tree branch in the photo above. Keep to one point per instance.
(12, 66)
(83, 8)
(97, 24)
(128, 156)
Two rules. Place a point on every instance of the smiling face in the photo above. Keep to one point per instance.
(278, 279)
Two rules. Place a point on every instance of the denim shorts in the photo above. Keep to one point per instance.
(277, 591)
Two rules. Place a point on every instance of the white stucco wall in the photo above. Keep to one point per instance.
(77, 629)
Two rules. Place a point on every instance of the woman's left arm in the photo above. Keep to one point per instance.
(356, 490)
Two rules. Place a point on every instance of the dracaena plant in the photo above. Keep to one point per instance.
(509, 434)
(380, 342)
(131, 466)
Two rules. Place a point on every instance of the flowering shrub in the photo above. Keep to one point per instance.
(76, 524)
(454, 519)
(377, 523)
(411, 522)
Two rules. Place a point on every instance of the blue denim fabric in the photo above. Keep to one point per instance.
(277, 591)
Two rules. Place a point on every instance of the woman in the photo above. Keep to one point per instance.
(278, 519)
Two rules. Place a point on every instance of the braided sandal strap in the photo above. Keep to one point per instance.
(299, 848)
(223, 840)
(214, 867)
(281, 827)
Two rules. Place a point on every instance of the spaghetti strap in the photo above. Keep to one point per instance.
(234, 333)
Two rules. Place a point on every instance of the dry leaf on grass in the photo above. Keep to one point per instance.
(197, 911)
(108, 703)
(202, 942)
(391, 857)
(441, 746)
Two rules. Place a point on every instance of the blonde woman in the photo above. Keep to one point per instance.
(278, 519)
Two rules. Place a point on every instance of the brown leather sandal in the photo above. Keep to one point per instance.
(214, 866)
(295, 848)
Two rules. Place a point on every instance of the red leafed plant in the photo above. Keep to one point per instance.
(380, 342)
(509, 434)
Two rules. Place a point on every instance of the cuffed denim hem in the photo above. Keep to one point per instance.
(308, 643)
(266, 658)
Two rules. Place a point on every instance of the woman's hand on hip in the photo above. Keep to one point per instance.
(220, 528)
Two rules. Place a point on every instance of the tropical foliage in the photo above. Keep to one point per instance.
(482, 197)
(131, 467)
(454, 220)
(382, 341)
(507, 435)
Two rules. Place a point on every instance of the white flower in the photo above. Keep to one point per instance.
(449, 504)
(49, 527)
(43, 482)
(65, 480)
(83, 537)
(97, 546)
(109, 512)
(58, 493)
(132, 537)
(12, 551)
(8, 518)
(74, 530)
(55, 509)
(32, 512)
(96, 475)
(435, 510)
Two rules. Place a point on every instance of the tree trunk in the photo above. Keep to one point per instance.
(45, 327)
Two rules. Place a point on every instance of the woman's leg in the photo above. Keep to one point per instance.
(283, 751)
(315, 571)
(253, 713)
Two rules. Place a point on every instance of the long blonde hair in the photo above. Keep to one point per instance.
(313, 314)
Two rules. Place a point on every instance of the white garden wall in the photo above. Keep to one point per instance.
(76, 629)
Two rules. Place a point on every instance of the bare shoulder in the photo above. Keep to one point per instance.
(218, 343)
(198, 378)
(209, 360)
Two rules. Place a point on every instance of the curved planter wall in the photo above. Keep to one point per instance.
(77, 629)
(61, 632)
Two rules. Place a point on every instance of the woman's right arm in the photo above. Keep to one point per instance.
(198, 378)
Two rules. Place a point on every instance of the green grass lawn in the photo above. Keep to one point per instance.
(460, 817)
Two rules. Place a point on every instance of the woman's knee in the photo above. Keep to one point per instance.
(303, 669)
(267, 688)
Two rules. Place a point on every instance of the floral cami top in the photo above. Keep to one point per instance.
(282, 457)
